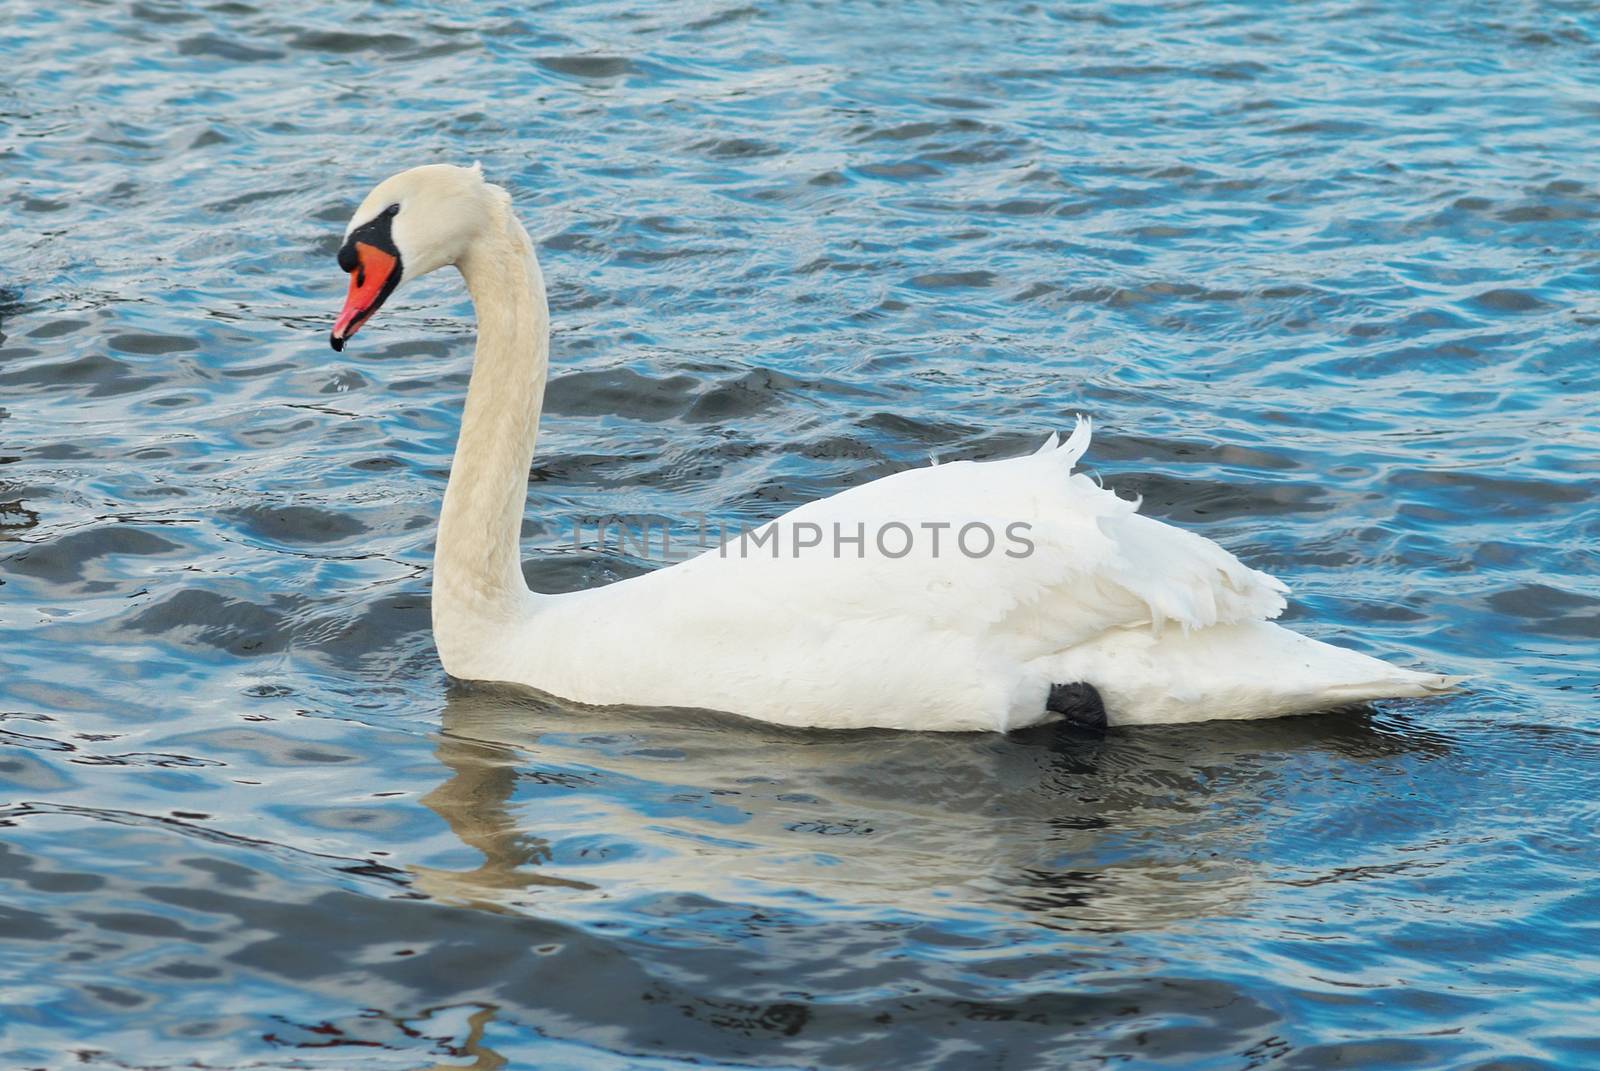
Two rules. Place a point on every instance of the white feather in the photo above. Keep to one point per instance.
(946, 641)
(1165, 624)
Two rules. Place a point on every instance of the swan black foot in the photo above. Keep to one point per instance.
(1078, 704)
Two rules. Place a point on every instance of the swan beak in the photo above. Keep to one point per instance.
(374, 273)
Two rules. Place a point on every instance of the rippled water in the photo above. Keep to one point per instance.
(1323, 274)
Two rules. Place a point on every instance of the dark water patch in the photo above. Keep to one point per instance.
(64, 559)
(238, 626)
(736, 148)
(20, 867)
(392, 626)
(907, 429)
(42, 205)
(24, 925)
(979, 153)
(594, 470)
(832, 448)
(724, 17)
(1478, 493)
(298, 525)
(343, 41)
(1508, 300)
(105, 375)
(12, 303)
(1195, 502)
(1021, 207)
(57, 328)
(898, 171)
(753, 392)
(235, 204)
(225, 48)
(966, 280)
(1551, 610)
(389, 625)
(162, 13)
(922, 130)
(152, 344)
(1167, 452)
(432, 348)
(621, 392)
(177, 401)
(593, 67)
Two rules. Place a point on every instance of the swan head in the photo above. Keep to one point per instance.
(410, 224)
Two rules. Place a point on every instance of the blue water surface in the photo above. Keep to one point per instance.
(1324, 275)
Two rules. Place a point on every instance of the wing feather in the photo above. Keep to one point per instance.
(1083, 561)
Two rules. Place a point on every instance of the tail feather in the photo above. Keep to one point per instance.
(1398, 684)
(1255, 669)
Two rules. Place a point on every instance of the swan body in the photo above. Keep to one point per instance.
(863, 627)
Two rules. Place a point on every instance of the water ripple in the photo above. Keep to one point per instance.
(1322, 274)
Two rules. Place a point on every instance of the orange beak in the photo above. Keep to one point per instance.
(375, 275)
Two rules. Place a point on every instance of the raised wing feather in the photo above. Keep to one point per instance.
(1086, 561)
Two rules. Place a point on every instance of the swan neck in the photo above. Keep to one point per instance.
(477, 560)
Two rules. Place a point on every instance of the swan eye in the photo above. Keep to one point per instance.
(392, 211)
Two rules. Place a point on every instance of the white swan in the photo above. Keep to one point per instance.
(1081, 607)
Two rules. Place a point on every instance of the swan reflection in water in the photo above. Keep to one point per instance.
(702, 869)
(1134, 829)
